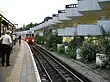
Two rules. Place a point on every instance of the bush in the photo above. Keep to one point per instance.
(71, 53)
(61, 50)
(87, 53)
(89, 50)
(40, 39)
(107, 42)
(51, 42)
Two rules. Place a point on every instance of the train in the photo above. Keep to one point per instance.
(28, 36)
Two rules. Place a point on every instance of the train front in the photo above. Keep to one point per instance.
(30, 39)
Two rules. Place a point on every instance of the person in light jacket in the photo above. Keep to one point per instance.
(6, 49)
(14, 39)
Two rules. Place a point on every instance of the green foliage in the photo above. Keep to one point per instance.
(61, 49)
(51, 39)
(87, 52)
(107, 43)
(51, 42)
(28, 26)
(73, 44)
(90, 47)
(72, 49)
(40, 39)
(47, 32)
(108, 61)
(59, 39)
(70, 53)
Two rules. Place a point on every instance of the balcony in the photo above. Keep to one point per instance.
(68, 31)
(72, 11)
(87, 7)
(50, 22)
(62, 15)
(88, 30)
(36, 28)
(40, 26)
(105, 24)
(46, 23)
(55, 19)
(61, 32)
(40, 32)
(104, 4)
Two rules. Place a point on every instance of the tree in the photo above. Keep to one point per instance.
(30, 25)
(27, 27)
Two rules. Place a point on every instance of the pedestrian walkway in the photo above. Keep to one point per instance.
(23, 68)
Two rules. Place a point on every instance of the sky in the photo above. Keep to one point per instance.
(23, 12)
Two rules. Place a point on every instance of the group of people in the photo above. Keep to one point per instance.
(7, 41)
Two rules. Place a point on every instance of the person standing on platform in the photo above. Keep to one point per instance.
(19, 38)
(6, 48)
(14, 39)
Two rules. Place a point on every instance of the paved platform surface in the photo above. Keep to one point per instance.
(23, 68)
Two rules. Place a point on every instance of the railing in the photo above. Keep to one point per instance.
(72, 6)
(61, 11)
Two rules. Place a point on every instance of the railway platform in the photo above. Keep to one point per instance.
(23, 68)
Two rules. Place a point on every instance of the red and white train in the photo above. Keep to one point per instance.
(28, 36)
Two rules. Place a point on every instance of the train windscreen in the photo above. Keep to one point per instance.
(32, 35)
(27, 35)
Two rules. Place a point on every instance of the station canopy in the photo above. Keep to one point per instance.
(68, 31)
(89, 30)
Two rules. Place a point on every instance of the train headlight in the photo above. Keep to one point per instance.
(27, 40)
(32, 40)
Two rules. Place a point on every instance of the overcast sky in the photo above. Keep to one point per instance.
(26, 11)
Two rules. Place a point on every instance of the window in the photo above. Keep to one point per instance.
(32, 35)
(27, 35)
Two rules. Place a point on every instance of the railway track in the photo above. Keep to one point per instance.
(53, 70)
